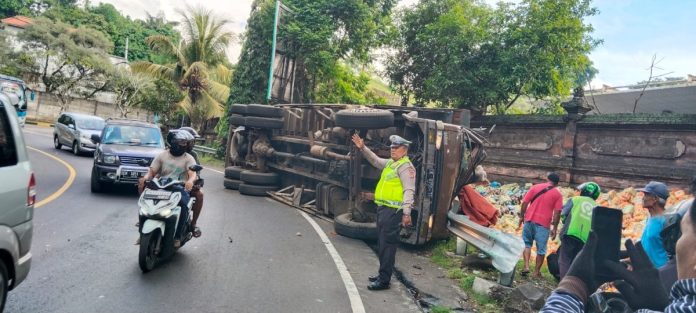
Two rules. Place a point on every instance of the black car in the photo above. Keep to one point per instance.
(124, 152)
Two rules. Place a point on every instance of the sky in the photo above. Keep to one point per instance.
(632, 32)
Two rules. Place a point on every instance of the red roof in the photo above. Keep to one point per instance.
(17, 21)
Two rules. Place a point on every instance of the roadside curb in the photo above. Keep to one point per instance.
(40, 124)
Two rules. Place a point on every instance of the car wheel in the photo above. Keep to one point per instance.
(262, 110)
(232, 183)
(56, 142)
(237, 120)
(264, 122)
(259, 178)
(4, 285)
(95, 185)
(364, 118)
(233, 172)
(238, 109)
(255, 190)
(345, 226)
(76, 148)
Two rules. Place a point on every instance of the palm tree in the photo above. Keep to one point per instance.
(200, 69)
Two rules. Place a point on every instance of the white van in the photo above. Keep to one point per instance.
(17, 197)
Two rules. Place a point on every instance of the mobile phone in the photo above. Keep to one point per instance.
(606, 224)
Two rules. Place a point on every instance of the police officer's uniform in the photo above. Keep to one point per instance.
(394, 196)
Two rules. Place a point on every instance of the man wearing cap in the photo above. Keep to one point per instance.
(577, 221)
(394, 197)
(655, 196)
(540, 207)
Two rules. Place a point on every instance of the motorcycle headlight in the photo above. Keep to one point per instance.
(165, 212)
(109, 159)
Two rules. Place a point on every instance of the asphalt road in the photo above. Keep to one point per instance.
(249, 259)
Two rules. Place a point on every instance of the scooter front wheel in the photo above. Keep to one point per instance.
(147, 257)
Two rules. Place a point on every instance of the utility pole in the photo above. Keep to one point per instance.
(126, 53)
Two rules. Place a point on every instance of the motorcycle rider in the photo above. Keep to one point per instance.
(196, 192)
(174, 164)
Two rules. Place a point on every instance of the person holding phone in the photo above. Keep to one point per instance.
(640, 287)
(541, 207)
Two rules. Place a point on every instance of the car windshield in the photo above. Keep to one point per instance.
(133, 136)
(90, 123)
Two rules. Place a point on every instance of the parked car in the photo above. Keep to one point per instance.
(18, 195)
(125, 150)
(76, 130)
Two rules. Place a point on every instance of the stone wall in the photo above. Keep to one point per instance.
(615, 150)
(46, 108)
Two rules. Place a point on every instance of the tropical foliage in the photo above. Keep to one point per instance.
(467, 54)
(68, 61)
(325, 34)
(199, 68)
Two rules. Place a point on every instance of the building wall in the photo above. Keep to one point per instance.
(46, 108)
(615, 150)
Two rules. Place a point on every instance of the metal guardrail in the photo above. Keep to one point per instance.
(202, 149)
(504, 249)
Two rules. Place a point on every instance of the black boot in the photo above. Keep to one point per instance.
(378, 285)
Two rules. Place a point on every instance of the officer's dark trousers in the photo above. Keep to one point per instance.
(388, 229)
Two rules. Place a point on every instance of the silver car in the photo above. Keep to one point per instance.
(18, 194)
(75, 131)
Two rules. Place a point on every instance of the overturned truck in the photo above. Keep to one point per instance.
(302, 155)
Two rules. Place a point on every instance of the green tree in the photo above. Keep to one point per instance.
(68, 61)
(200, 69)
(119, 29)
(466, 54)
(163, 100)
(13, 7)
(321, 33)
(132, 90)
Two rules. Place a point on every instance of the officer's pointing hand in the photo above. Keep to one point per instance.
(359, 143)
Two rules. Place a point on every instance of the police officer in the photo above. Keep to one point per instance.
(394, 197)
(577, 221)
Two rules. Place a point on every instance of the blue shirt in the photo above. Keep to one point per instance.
(652, 244)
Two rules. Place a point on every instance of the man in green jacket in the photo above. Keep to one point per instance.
(577, 221)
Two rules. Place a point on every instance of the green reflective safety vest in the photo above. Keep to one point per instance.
(581, 217)
(390, 192)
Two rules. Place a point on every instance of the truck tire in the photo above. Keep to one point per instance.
(259, 178)
(233, 172)
(239, 109)
(255, 190)
(262, 110)
(364, 118)
(345, 226)
(264, 122)
(232, 183)
(237, 120)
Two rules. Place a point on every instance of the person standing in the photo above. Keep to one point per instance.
(577, 221)
(655, 196)
(540, 207)
(394, 197)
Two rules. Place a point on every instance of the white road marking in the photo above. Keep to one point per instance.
(216, 171)
(353, 294)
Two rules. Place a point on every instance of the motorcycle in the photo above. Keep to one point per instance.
(159, 218)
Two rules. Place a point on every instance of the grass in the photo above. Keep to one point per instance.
(441, 254)
(210, 161)
(439, 309)
(465, 278)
